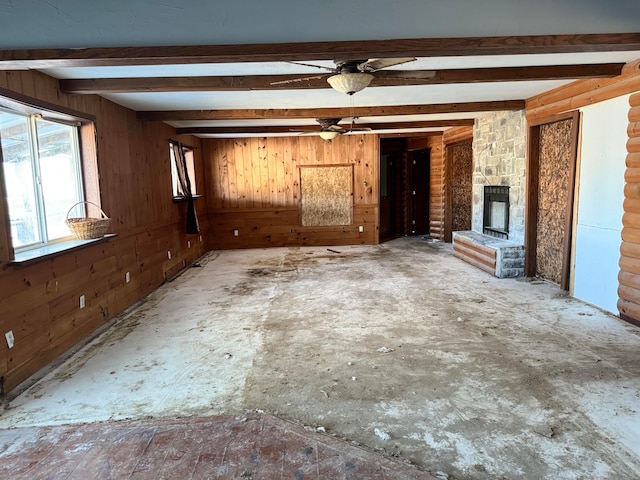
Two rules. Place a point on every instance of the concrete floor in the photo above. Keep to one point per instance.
(470, 376)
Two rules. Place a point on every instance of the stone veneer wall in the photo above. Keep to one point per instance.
(499, 146)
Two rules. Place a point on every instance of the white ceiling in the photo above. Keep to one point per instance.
(83, 24)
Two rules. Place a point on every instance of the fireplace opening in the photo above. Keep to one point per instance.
(495, 220)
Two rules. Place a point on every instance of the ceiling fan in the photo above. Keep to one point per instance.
(329, 128)
(351, 76)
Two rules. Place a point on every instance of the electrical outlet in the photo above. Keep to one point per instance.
(235, 232)
(10, 339)
(361, 228)
(188, 243)
(184, 263)
(200, 237)
(127, 277)
(81, 301)
(169, 254)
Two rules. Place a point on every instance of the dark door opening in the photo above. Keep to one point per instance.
(404, 189)
(419, 161)
(388, 164)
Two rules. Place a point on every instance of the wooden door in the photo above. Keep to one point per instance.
(419, 162)
(459, 183)
(551, 181)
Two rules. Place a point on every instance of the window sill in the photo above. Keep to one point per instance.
(54, 250)
(184, 199)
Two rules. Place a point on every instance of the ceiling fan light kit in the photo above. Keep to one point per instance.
(350, 83)
(328, 134)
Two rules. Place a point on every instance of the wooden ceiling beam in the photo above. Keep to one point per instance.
(316, 128)
(335, 112)
(334, 50)
(409, 135)
(382, 78)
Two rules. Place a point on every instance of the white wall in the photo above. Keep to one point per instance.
(601, 193)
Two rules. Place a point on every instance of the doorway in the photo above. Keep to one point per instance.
(404, 189)
(553, 146)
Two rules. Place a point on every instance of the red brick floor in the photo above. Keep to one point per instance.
(252, 447)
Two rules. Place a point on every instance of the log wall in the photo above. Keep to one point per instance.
(582, 93)
(253, 186)
(629, 277)
(39, 301)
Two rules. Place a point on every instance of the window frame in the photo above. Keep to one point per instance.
(87, 169)
(176, 187)
(34, 135)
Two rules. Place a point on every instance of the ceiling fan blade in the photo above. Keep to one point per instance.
(378, 63)
(408, 74)
(294, 80)
(304, 128)
(328, 122)
(360, 129)
(332, 70)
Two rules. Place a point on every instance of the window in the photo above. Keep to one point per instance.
(178, 191)
(43, 176)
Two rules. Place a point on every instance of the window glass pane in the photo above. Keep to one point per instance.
(191, 171)
(59, 170)
(176, 189)
(19, 179)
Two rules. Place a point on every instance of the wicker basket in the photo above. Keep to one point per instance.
(86, 228)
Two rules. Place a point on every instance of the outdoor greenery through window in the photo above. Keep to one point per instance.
(43, 177)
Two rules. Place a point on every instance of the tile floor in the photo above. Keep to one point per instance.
(225, 447)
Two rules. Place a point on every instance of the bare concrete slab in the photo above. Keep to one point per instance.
(400, 347)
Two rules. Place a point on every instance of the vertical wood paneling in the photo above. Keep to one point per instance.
(39, 301)
(275, 188)
(283, 173)
(629, 276)
(241, 200)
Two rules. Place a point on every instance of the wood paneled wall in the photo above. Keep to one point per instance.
(253, 186)
(629, 276)
(39, 301)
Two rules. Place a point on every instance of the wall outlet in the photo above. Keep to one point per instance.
(10, 339)
(235, 232)
(127, 277)
(81, 301)
(200, 237)
(169, 254)
(188, 243)
(361, 228)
